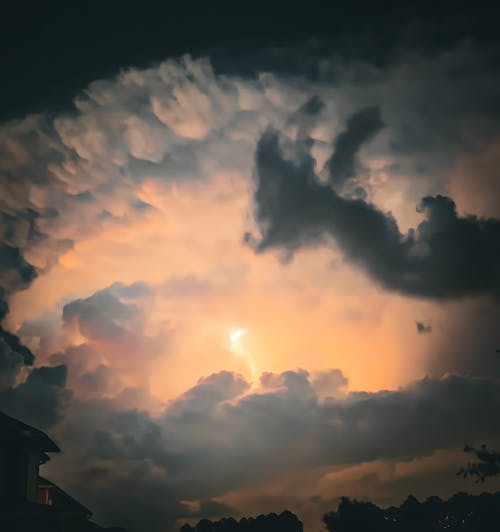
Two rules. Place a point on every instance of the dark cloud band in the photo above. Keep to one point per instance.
(446, 256)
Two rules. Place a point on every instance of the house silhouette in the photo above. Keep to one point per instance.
(28, 501)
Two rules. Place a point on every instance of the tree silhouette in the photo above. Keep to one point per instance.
(284, 522)
(488, 464)
(462, 512)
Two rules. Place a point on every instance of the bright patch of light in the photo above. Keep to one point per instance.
(236, 335)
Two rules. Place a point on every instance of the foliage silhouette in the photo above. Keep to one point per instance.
(488, 464)
(462, 512)
(284, 522)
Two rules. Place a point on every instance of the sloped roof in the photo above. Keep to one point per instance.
(16, 432)
(42, 481)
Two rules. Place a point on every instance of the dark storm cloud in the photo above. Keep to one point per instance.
(135, 468)
(13, 355)
(416, 418)
(4, 306)
(277, 423)
(306, 116)
(73, 46)
(40, 400)
(13, 342)
(132, 435)
(312, 107)
(446, 256)
(17, 230)
(10, 363)
(209, 392)
(15, 272)
(362, 126)
(218, 437)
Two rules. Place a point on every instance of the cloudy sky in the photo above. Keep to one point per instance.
(250, 258)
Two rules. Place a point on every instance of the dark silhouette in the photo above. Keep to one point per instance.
(461, 512)
(28, 501)
(488, 464)
(467, 513)
(284, 522)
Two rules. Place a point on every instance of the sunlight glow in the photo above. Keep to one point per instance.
(236, 335)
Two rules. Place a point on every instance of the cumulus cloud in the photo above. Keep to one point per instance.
(365, 426)
(113, 353)
(40, 399)
(329, 383)
(65, 178)
(41, 395)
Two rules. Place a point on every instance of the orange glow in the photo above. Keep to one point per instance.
(311, 313)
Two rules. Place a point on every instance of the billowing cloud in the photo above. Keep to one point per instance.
(220, 436)
(123, 265)
(446, 256)
(329, 383)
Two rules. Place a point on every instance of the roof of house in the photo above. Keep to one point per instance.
(80, 508)
(16, 432)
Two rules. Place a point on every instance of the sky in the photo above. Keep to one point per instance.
(250, 258)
